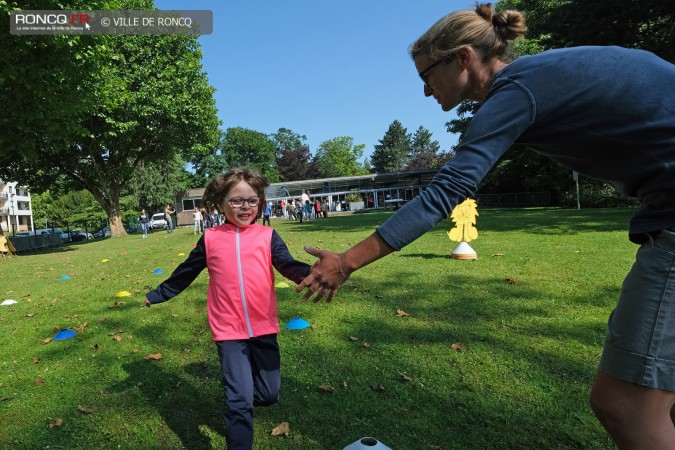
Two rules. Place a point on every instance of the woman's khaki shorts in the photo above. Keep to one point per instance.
(640, 344)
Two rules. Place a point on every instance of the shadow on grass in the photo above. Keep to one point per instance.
(526, 220)
(527, 360)
(184, 407)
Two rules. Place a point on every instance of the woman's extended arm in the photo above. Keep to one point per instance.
(332, 269)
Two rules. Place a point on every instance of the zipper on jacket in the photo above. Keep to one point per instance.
(240, 274)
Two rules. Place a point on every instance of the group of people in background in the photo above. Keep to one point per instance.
(203, 220)
(304, 208)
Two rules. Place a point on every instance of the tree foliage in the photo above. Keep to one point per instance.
(645, 24)
(294, 160)
(94, 109)
(391, 154)
(155, 184)
(339, 157)
(208, 164)
(244, 147)
(424, 152)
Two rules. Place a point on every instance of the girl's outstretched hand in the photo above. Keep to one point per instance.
(325, 278)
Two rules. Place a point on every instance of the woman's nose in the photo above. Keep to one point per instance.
(427, 90)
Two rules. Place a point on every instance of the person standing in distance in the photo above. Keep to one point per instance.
(605, 112)
(241, 256)
(168, 212)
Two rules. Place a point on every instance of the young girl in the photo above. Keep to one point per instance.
(241, 302)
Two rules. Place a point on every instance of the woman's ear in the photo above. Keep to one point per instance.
(464, 57)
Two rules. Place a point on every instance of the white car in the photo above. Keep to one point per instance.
(157, 221)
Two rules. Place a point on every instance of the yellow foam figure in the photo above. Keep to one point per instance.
(464, 215)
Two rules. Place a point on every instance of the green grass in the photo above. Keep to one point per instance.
(520, 380)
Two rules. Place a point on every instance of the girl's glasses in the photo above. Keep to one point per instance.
(253, 202)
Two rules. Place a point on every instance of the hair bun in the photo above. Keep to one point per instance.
(509, 24)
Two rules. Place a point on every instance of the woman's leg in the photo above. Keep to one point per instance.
(634, 391)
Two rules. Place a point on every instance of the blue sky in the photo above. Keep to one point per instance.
(322, 68)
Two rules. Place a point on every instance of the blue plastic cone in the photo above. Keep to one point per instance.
(64, 334)
(158, 271)
(65, 277)
(297, 324)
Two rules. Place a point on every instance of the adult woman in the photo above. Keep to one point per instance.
(606, 112)
(144, 220)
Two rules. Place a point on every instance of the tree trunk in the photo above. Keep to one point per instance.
(114, 214)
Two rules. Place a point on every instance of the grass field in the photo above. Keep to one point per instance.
(527, 318)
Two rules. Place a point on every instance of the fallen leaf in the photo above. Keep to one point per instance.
(353, 338)
(377, 387)
(512, 280)
(39, 381)
(154, 356)
(498, 254)
(401, 313)
(8, 397)
(35, 360)
(404, 377)
(297, 438)
(282, 429)
(56, 423)
(81, 328)
(30, 314)
(118, 304)
(135, 350)
(345, 385)
(47, 341)
(366, 345)
(456, 346)
(326, 388)
(84, 410)
(117, 338)
(313, 327)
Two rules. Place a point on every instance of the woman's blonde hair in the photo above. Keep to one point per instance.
(221, 184)
(489, 34)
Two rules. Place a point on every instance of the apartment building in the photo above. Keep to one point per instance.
(16, 213)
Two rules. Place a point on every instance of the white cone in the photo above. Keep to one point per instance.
(367, 443)
(463, 251)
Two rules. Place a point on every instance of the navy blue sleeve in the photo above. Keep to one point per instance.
(182, 277)
(285, 263)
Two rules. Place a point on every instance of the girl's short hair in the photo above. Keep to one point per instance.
(489, 34)
(221, 184)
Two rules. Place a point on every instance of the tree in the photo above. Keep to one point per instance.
(294, 159)
(391, 153)
(297, 164)
(208, 164)
(244, 147)
(424, 152)
(645, 24)
(285, 139)
(339, 157)
(75, 208)
(94, 109)
(156, 184)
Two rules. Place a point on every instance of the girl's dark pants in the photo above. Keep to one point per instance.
(252, 377)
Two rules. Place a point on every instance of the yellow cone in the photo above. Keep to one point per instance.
(123, 294)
